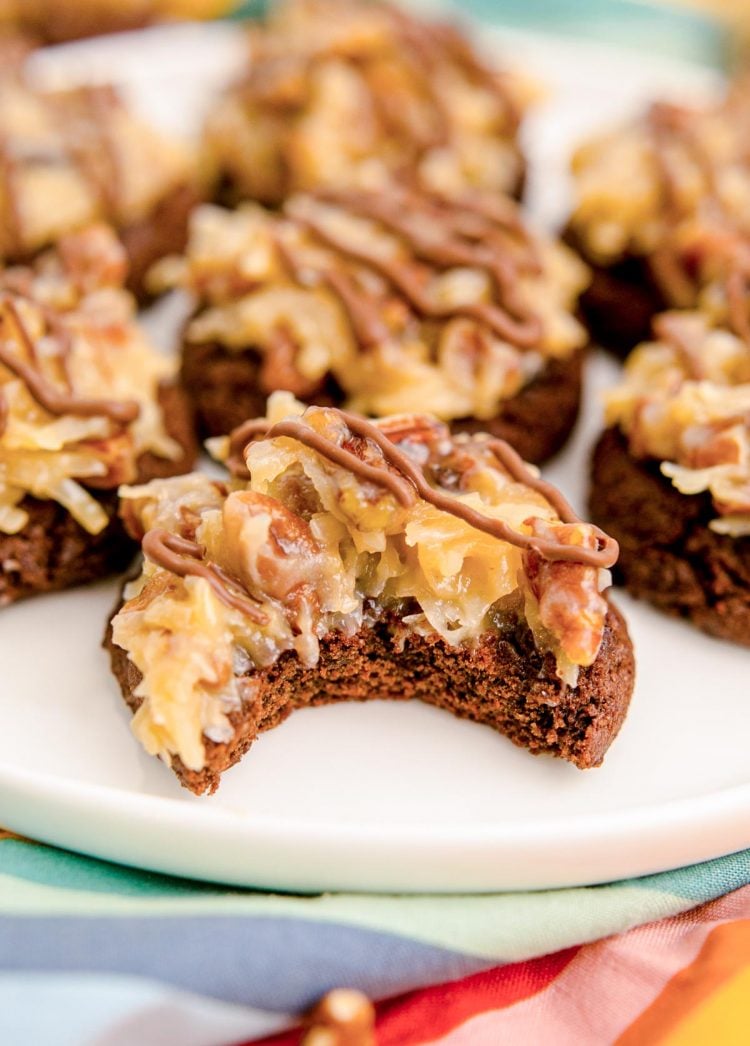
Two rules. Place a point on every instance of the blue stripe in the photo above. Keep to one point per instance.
(276, 964)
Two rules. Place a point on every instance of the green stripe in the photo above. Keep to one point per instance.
(41, 881)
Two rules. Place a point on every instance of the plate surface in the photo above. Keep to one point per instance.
(386, 796)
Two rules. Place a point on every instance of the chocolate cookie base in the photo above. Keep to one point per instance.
(54, 552)
(620, 303)
(668, 554)
(501, 681)
(58, 23)
(164, 231)
(226, 388)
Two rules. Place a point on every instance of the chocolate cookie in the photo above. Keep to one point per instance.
(502, 682)
(225, 387)
(386, 302)
(669, 556)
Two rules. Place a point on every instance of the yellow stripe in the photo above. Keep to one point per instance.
(723, 1019)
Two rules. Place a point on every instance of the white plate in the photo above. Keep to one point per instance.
(397, 797)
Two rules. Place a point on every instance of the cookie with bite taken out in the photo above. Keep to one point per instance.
(346, 559)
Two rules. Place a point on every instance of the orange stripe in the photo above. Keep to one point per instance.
(4, 834)
(725, 952)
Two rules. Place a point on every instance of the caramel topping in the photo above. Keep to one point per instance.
(47, 395)
(185, 559)
(409, 480)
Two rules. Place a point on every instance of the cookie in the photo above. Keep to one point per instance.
(352, 560)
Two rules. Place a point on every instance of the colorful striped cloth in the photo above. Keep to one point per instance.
(95, 953)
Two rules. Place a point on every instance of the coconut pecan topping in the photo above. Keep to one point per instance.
(674, 188)
(402, 299)
(685, 401)
(70, 158)
(79, 383)
(415, 97)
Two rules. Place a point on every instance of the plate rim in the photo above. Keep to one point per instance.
(507, 852)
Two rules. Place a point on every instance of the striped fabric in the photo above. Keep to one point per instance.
(136, 957)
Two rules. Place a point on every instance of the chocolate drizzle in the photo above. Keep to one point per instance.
(47, 395)
(430, 45)
(367, 325)
(448, 233)
(671, 124)
(9, 172)
(101, 100)
(406, 481)
(185, 559)
(442, 238)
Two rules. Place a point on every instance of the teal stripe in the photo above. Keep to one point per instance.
(59, 868)
(701, 882)
(655, 28)
(35, 863)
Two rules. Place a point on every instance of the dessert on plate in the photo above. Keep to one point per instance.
(662, 216)
(86, 403)
(385, 302)
(347, 560)
(341, 93)
(72, 157)
(56, 20)
(671, 474)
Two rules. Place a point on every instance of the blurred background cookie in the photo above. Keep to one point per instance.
(71, 157)
(58, 20)
(343, 93)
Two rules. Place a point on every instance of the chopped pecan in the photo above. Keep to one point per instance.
(277, 562)
(279, 370)
(570, 604)
(343, 1017)
(94, 258)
